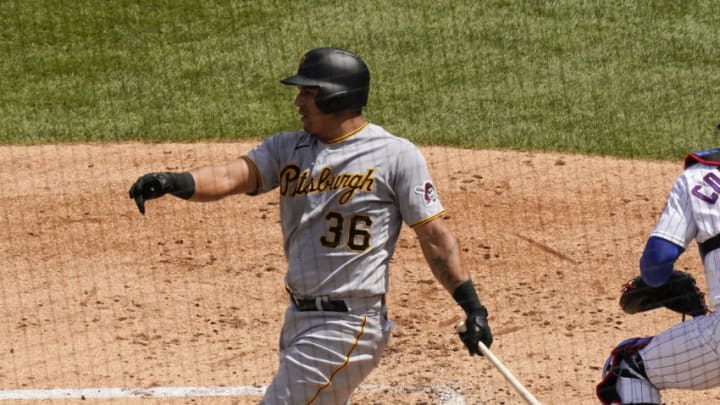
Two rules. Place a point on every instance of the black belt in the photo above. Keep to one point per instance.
(318, 304)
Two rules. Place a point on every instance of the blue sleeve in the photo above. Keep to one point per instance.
(657, 260)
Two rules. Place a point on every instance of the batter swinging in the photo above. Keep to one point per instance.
(346, 187)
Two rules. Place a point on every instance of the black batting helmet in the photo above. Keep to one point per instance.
(343, 79)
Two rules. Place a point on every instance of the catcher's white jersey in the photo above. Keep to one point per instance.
(693, 212)
(343, 204)
(686, 356)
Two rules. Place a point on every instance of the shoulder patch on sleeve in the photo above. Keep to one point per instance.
(428, 193)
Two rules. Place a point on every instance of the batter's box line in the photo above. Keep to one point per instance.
(443, 394)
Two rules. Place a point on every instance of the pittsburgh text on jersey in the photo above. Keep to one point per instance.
(294, 182)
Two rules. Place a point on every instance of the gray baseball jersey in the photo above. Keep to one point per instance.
(342, 205)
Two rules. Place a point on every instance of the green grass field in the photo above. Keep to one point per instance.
(626, 78)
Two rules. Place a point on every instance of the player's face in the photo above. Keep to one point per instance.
(314, 121)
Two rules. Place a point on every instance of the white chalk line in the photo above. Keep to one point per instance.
(445, 395)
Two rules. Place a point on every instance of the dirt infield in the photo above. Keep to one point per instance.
(191, 295)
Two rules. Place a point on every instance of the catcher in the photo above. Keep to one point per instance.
(686, 356)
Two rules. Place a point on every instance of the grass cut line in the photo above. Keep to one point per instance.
(444, 394)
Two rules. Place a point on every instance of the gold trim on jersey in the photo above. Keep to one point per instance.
(428, 219)
(254, 170)
(345, 362)
(295, 182)
(349, 134)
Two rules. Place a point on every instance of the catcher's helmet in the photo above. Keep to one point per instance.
(343, 79)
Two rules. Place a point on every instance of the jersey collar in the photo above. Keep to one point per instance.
(348, 135)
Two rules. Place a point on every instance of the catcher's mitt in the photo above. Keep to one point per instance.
(680, 294)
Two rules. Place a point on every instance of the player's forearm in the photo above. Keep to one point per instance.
(658, 260)
(215, 182)
(450, 275)
(442, 254)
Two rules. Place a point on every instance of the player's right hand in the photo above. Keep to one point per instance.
(149, 186)
(476, 330)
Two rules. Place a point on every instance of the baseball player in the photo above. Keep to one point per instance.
(686, 356)
(346, 186)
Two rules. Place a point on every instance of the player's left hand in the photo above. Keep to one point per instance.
(680, 294)
(476, 330)
(149, 186)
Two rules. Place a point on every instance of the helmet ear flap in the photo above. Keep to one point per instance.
(332, 104)
(343, 100)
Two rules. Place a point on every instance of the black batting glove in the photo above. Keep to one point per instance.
(155, 185)
(476, 330)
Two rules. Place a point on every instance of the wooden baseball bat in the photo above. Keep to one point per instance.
(460, 328)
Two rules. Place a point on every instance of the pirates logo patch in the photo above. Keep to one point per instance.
(428, 193)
